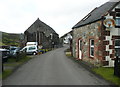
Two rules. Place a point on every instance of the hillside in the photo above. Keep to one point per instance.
(10, 39)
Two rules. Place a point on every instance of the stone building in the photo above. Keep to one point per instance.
(41, 33)
(96, 38)
(67, 37)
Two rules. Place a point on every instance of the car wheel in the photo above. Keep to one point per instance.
(34, 53)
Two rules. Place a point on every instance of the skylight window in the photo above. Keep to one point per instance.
(86, 17)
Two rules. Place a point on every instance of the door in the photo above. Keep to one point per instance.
(80, 49)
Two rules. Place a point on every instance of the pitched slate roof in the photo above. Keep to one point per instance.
(38, 25)
(96, 14)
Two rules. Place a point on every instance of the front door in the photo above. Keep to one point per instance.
(80, 49)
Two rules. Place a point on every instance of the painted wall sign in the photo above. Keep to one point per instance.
(109, 23)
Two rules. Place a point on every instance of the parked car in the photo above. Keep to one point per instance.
(32, 49)
(16, 52)
(12, 49)
(4, 53)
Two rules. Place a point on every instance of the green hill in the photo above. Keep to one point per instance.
(10, 39)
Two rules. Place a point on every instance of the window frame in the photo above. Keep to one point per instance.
(117, 23)
(91, 47)
(117, 47)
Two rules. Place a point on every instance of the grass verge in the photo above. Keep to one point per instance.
(6, 73)
(68, 54)
(13, 64)
(108, 74)
(0, 75)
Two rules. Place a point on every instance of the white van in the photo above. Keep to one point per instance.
(32, 49)
(31, 43)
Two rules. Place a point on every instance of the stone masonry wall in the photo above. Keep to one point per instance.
(85, 33)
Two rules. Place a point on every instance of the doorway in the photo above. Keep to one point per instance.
(80, 49)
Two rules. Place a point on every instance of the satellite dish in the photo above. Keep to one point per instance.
(109, 23)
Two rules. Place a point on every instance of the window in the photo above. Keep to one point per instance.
(80, 44)
(91, 48)
(117, 21)
(24, 49)
(86, 17)
(117, 47)
(32, 48)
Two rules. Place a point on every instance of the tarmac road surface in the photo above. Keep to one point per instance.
(53, 68)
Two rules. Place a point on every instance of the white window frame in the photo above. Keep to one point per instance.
(117, 47)
(117, 24)
(91, 46)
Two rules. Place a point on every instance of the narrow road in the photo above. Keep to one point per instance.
(52, 68)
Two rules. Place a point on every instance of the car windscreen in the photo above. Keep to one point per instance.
(12, 48)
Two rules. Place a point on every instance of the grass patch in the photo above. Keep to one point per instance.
(12, 63)
(68, 54)
(6, 73)
(26, 58)
(108, 74)
(13, 60)
(0, 75)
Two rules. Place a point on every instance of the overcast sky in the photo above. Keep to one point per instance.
(17, 15)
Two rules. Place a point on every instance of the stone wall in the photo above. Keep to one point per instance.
(85, 33)
(104, 43)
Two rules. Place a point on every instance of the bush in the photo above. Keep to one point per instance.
(67, 50)
(20, 56)
(17, 58)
